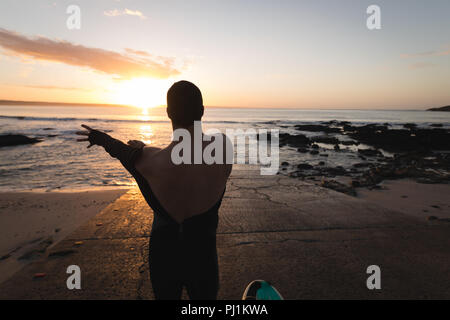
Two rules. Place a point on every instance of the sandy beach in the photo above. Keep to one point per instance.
(32, 222)
(423, 201)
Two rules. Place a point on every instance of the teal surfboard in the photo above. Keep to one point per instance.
(261, 290)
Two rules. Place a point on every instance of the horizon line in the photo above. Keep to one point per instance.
(89, 104)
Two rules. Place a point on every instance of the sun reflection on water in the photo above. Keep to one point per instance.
(146, 129)
(146, 133)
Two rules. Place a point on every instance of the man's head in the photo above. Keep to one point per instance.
(184, 104)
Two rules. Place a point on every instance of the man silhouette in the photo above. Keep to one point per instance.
(185, 199)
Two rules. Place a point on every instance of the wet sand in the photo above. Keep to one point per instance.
(310, 242)
(424, 201)
(31, 222)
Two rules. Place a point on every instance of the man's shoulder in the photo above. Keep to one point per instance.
(148, 157)
(149, 150)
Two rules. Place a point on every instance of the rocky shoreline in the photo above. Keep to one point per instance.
(370, 153)
(344, 156)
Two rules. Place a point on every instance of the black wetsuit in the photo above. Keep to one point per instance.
(180, 254)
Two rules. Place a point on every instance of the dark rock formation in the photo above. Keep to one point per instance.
(369, 152)
(16, 139)
(325, 139)
(398, 140)
(304, 166)
(295, 141)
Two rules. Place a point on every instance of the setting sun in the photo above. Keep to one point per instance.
(141, 92)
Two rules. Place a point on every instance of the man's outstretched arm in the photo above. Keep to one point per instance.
(127, 154)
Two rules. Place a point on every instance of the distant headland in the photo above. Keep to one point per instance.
(446, 108)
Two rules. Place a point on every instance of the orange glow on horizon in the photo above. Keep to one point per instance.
(144, 93)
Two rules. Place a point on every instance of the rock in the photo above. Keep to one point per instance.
(336, 147)
(329, 122)
(401, 140)
(285, 163)
(325, 139)
(349, 142)
(410, 125)
(16, 139)
(417, 165)
(296, 141)
(324, 155)
(369, 152)
(436, 125)
(334, 171)
(304, 166)
(416, 154)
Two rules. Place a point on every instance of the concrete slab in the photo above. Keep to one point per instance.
(312, 243)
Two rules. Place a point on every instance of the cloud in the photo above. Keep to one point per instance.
(122, 66)
(53, 87)
(126, 12)
(138, 52)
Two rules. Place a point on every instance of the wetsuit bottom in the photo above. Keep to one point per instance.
(187, 258)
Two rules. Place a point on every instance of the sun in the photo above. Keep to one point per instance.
(144, 93)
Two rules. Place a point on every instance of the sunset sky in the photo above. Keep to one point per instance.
(247, 53)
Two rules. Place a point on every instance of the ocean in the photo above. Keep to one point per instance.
(59, 163)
